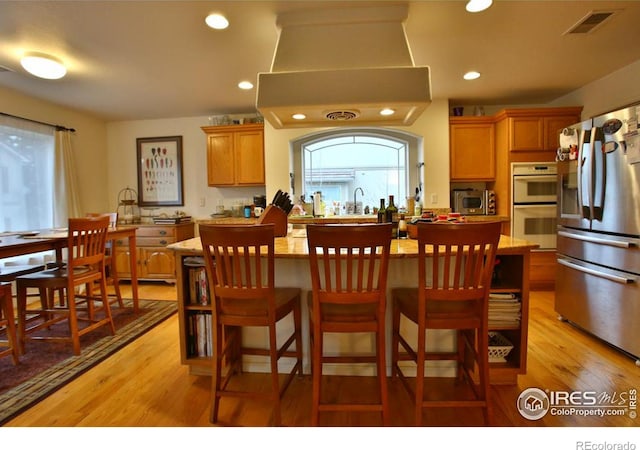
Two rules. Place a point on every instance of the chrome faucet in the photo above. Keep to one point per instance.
(355, 204)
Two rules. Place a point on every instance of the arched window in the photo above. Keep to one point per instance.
(337, 163)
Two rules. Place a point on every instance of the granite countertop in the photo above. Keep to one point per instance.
(303, 220)
(294, 245)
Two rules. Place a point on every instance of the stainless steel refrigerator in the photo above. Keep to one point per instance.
(599, 228)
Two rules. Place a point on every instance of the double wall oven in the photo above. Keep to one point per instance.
(534, 203)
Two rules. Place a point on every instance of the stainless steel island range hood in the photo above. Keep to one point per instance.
(343, 67)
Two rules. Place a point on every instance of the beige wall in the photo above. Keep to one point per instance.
(89, 142)
(619, 88)
(200, 199)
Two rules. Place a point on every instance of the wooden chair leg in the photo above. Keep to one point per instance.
(275, 384)
(216, 372)
(90, 302)
(22, 317)
(419, 394)
(116, 285)
(382, 374)
(73, 321)
(297, 322)
(395, 341)
(316, 376)
(7, 313)
(106, 305)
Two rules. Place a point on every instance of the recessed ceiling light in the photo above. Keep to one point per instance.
(387, 112)
(246, 85)
(299, 116)
(478, 5)
(217, 21)
(43, 66)
(472, 75)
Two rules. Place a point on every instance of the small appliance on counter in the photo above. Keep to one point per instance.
(473, 202)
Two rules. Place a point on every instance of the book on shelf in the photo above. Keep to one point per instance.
(198, 286)
(200, 334)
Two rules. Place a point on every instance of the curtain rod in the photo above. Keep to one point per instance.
(57, 127)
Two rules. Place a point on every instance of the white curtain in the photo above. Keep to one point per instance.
(67, 203)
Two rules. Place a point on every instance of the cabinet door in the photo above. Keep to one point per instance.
(472, 153)
(526, 133)
(552, 128)
(157, 263)
(220, 159)
(121, 259)
(249, 157)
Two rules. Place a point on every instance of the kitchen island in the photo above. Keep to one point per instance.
(292, 269)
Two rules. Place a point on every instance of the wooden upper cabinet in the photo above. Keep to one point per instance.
(235, 155)
(472, 149)
(536, 129)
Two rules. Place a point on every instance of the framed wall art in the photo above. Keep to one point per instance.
(160, 171)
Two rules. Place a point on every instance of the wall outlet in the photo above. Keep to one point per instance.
(202, 201)
(434, 199)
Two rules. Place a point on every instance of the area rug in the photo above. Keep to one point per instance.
(46, 367)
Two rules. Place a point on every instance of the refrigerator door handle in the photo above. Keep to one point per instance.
(597, 273)
(581, 176)
(595, 240)
(592, 172)
(599, 163)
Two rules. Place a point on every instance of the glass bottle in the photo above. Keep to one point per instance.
(402, 227)
(382, 212)
(392, 217)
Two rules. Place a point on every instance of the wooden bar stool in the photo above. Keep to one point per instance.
(110, 268)
(349, 280)
(7, 320)
(85, 266)
(241, 275)
(453, 294)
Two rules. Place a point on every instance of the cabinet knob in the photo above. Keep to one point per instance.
(163, 232)
(163, 242)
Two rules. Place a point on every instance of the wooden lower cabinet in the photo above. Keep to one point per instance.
(542, 276)
(155, 261)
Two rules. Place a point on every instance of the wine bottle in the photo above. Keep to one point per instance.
(392, 217)
(382, 212)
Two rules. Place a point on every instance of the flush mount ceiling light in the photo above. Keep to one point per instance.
(472, 75)
(298, 116)
(246, 85)
(217, 21)
(387, 112)
(478, 5)
(43, 66)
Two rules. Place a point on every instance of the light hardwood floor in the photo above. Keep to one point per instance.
(144, 385)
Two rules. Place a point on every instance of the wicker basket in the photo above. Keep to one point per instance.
(500, 349)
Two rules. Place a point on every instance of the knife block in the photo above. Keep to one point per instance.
(276, 216)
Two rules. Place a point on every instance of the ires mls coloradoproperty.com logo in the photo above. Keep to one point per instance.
(534, 403)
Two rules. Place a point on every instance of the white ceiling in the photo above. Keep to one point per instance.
(157, 59)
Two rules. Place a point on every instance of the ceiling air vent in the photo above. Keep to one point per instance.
(341, 115)
(590, 22)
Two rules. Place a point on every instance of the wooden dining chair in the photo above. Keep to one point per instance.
(241, 275)
(349, 265)
(109, 257)
(7, 321)
(85, 266)
(455, 264)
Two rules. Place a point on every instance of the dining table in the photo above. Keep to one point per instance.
(56, 239)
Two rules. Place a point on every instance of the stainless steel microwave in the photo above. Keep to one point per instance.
(471, 202)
